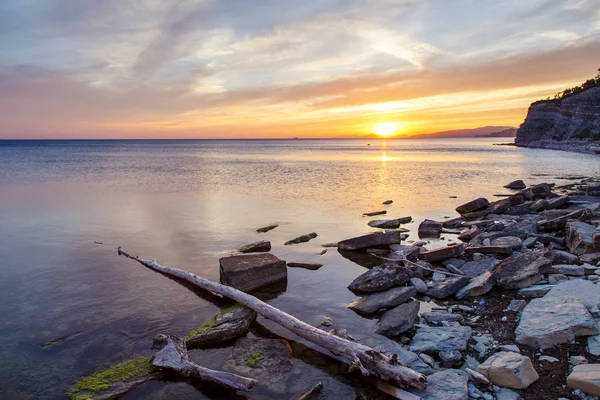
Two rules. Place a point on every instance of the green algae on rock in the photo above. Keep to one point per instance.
(267, 228)
(253, 359)
(301, 239)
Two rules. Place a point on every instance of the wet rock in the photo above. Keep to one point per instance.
(535, 291)
(541, 191)
(371, 240)
(380, 278)
(266, 228)
(476, 268)
(510, 370)
(585, 291)
(522, 228)
(557, 202)
(477, 378)
(523, 270)
(516, 185)
(508, 241)
(398, 320)
(593, 345)
(305, 265)
(374, 213)
(447, 287)
(469, 251)
(450, 384)
(579, 238)
(441, 316)
(526, 194)
(478, 286)
(402, 252)
(472, 206)
(388, 202)
(252, 271)
(563, 257)
(469, 235)
(435, 339)
(311, 393)
(430, 228)
(569, 270)
(547, 322)
(443, 253)
(256, 247)
(222, 328)
(301, 239)
(586, 378)
(419, 285)
(555, 279)
(385, 299)
(453, 223)
(450, 359)
(516, 305)
(384, 223)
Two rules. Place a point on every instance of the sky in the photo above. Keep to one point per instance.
(283, 68)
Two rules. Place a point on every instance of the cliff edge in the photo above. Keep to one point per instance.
(571, 123)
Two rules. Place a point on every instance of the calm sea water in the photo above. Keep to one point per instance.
(188, 203)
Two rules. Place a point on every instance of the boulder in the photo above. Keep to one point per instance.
(569, 270)
(418, 284)
(398, 320)
(472, 206)
(380, 278)
(541, 191)
(523, 270)
(453, 223)
(547, 322)
(443, 253)
(585, 377)
(564, 257)
(478, 286)
(371, 240)
(508, 241)
(301, 239)
(386, 299)
(252, 271)
(403, 252)
(583, 290)
(447, 287)
(580, 238)
(511, 370)
(469, 235)
(430, 228)
(222, 328)
(478, 267)
(256, 247)
(516, 185)
(450, 384)
(435, 339)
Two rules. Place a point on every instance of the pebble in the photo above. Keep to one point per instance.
(549, 359)
(326, 321)
(577, 360)
(510, 347)
(427, 360)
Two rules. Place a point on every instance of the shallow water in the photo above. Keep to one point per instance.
(188, 203)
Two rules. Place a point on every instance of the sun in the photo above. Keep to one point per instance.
(386, 129)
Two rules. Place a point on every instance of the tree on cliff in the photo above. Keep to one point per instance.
(577, 89)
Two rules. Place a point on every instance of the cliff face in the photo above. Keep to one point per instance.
(572, 123)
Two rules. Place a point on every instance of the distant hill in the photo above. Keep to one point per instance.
(486, 131)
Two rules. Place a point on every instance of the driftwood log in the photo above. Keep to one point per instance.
(174, 356)
(360, 356)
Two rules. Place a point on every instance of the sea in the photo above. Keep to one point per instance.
(67, 205)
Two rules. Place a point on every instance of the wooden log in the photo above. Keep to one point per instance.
(360, 356)
(174, 356)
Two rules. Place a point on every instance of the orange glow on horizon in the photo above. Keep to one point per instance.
(386, 129)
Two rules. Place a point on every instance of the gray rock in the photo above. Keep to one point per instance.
(398, 320)
(511, 348)
(301, 239)
(523, 270)
(587, 292)
(441, 316)
(522, 229)
(516, 305)
(450, 359)
(400, 252)
(535, 291)
(550, 321)
(529, 242)
(564, 257)
(586, 378)
(510, 370)
(580, 238)
(256, 247)
(386, 299)
(251, 271)
(472, 206)
(549, 359)
(517, 185)
(430, 228)
(557, 202)
(508, 241)
(593, 345)
(443, 253)
(305, 265)
(506, 394)
(555, 279)
(478, 286)
(577, 360)
(455, 262)
(419, 285)
(476, 268)
(570, 270)
(371, 240)
(438, 276)
(450, 384)
(447, 287)
(469, 235)
(435, 339)
(226, 327)
(380, 278)
(471, 250)
(453, 223)
(477, 378)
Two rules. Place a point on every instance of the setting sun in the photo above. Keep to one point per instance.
(386, 129)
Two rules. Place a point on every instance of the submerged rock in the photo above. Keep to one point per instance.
(380, 278)
(372, 214)
(435, 339)
(256, 247)
(398, 320)
(305, 265)
(301, 239)
(386, 299)
(507, 369)
(221, 328)
(547, 322)
(371, 240)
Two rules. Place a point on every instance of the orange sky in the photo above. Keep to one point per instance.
(317, 68)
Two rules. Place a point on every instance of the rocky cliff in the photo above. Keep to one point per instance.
(570, 123)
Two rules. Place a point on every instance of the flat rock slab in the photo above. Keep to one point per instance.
(443, 253)
(305, 265)
(488, 250)
(430, 228)
(585, 377)
(301, 239)
(478, 286)
(441, 316)
(226, 327)
(507, 369)
(380, 278)
(371, 240)
(398, 320)
(580, 238)
(535, 291)
(447, 287)
(256, 247)
(435, 339)
(564, 257)
(472, 206)
(450, 384)
(583, 290)
(384, 223)
(525, 269)
(252, 271)
(476, 268)
(388, 298)
(569, 270)
(513, 242)
(548, 322)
